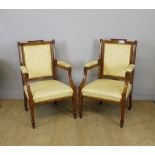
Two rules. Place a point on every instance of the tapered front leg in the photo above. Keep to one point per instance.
(80, 104)
(25, 103)
(32, 115)
(74, 105)
(130, 102)
(122, 114)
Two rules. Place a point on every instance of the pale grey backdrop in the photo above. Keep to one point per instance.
(77, 33)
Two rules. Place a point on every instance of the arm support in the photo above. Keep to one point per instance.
(128, 78)
(68, 68)
(129, 73)
(25, 75)
(63, 65)
(130, 68)
(24, 72)
(90, 65)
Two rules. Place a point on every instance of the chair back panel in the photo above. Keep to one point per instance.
(117, 58)
(38, 60)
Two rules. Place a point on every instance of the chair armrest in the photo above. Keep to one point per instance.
(24, 70)
(129, 73)
(68, 68)
(63, 65)
(130, 68)
(25, 75)
(91, 64)
(128, 78)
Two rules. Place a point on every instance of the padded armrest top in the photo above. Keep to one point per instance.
(23, 69)
(130, 68)
(63, 64)
(91, 63)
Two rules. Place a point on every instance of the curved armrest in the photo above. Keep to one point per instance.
(129, 73)
(130, 68)
(25, 75)
(128, 78)
(24, 70)
(25, 81)
(91, 64)
(67, 67)
(63, 65)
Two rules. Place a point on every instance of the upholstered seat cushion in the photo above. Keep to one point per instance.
(105, 89)
(48, 90)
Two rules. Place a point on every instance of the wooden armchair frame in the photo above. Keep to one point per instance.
(129, 76)
(26, 79)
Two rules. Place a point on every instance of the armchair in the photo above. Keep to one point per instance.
(38, 69)
(115, 78)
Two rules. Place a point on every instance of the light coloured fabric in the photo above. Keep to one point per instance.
(63, 64)
(38, 60)
(91, 63)
(106, 89)
(116, 59)
(130, 68)
(23, 69)
(48, 90)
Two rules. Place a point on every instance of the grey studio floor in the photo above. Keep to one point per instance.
(56, 126)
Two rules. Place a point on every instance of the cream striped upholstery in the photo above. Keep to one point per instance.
(116, 59)
(38, 60)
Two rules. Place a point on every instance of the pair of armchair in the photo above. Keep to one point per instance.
(114, 84)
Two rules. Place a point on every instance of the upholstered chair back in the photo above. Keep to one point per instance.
(38, 59)
(116, 57)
